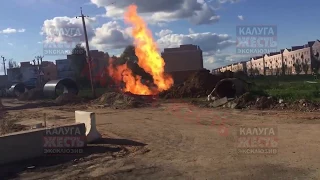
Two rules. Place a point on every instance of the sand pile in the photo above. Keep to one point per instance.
(198, 84)
(68, 98)
(7, 125)
(32, 94)
(121, 100)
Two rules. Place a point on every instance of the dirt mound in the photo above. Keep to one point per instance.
(32, 94)
(9, 126)
(68, 98)
(198, 84)
(121, 100)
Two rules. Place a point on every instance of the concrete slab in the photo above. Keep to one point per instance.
(219, 102)
(30, 144)
(89, 119)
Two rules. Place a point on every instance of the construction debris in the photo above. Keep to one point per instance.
(121, 100)
(199, 84)
(251, 100)
(219, 102)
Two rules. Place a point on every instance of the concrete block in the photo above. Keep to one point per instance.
(219, 102)
(89, 119)
(30, 144)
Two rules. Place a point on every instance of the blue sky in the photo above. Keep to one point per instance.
(296, 22)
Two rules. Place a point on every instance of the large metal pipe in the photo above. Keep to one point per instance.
(230, 88)
(17, 89)
(68, 85)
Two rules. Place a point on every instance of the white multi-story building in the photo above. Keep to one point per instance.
(297, 60)
(256, 66)
(273, 63)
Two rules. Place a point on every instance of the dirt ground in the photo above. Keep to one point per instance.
(174, 141)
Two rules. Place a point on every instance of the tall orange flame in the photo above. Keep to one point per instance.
(148, 58)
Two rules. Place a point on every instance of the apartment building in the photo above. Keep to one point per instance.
(64, 69)
(273, 63)
(224, 69)
(100, 62)
(4, 81)
(239, 66)
(182, 61)
(296, 60)
(255, 66)
(49, 70)
(184, 58)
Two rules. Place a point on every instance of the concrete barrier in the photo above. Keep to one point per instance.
(30, 144)
(89, 119)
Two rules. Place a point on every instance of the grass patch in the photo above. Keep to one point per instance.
(289, 88)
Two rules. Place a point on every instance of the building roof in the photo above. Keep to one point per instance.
(257, 57)
(274, 53)
(183, 47)
(297, 47)
(310, 43)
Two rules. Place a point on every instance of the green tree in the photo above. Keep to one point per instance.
(250, 71)
(13, 64)
(278, 71)
(297, 66)
(256, 71)
(315, 62)
(305, 67)
(129, 56)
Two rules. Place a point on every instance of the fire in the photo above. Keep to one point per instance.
(148, 58)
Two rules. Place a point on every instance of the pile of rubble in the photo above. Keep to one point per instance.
(68, 98)
(299, 105)
(198, 84)
(120, 100)
(31, 95)
(252, 101)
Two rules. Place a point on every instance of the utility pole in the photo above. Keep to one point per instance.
(4, 65)
(89, 60)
